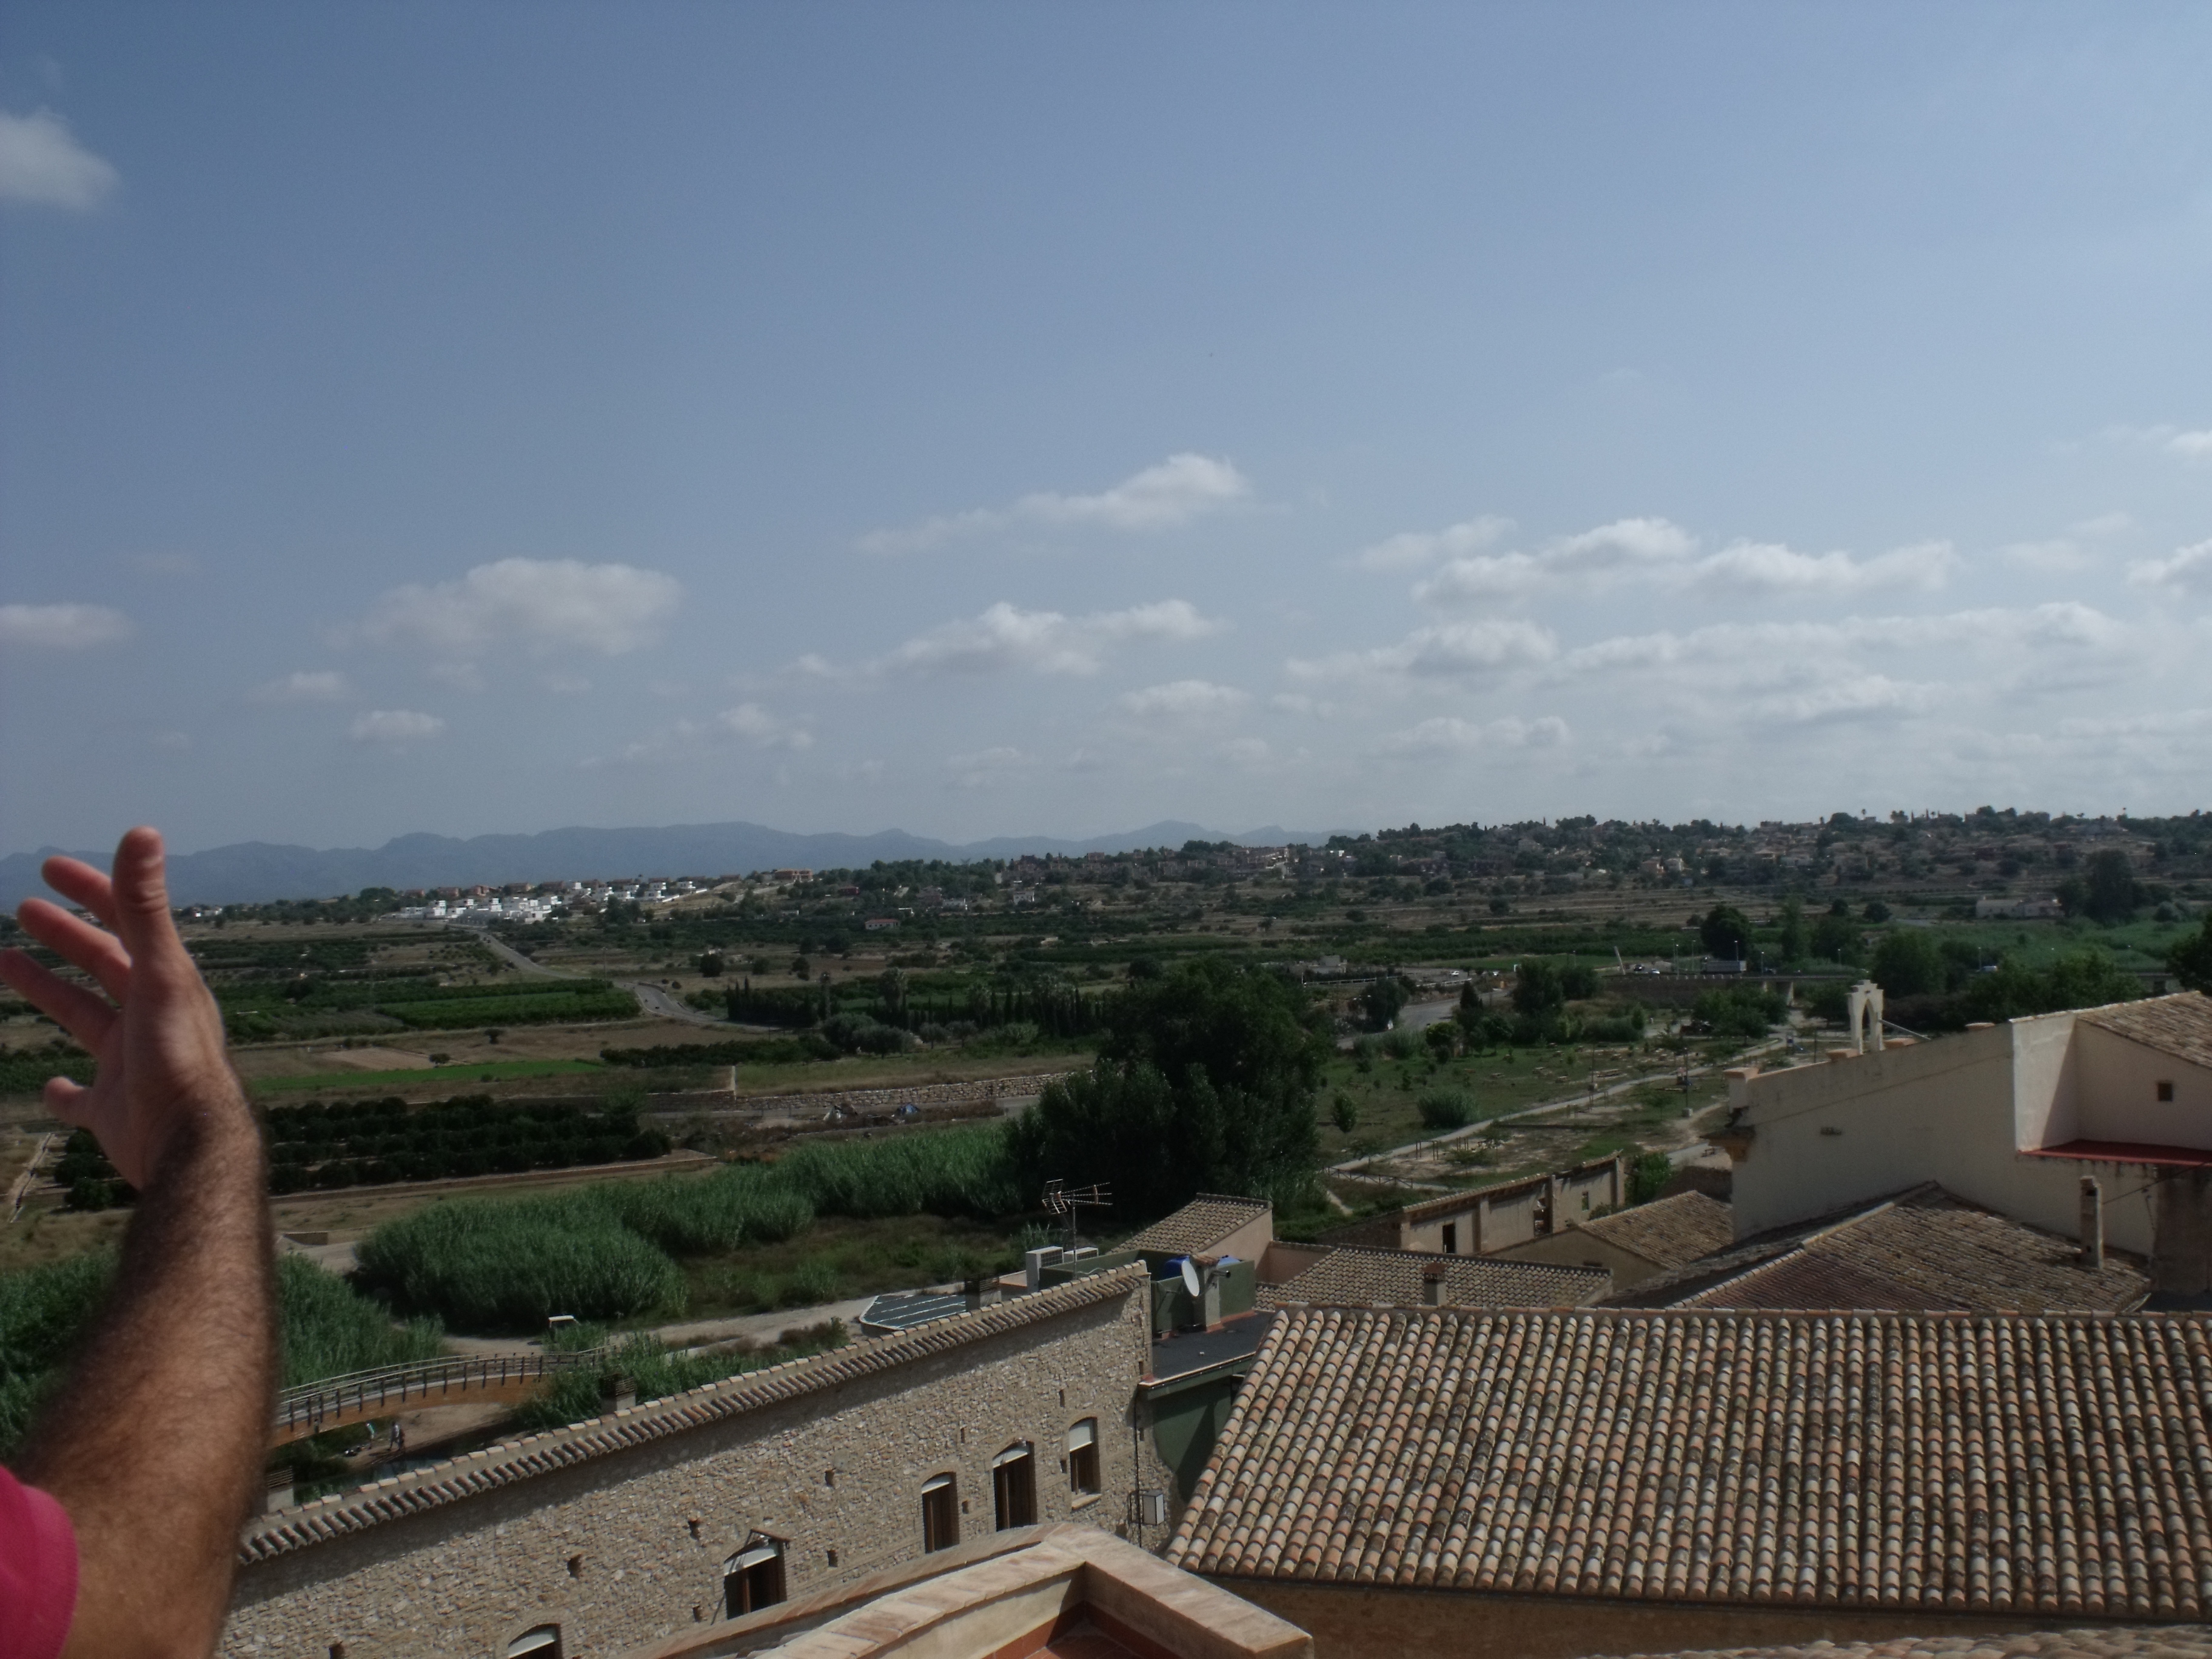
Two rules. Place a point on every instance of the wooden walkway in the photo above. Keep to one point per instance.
(450, 1380)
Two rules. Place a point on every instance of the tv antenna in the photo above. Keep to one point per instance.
(1060, 1199)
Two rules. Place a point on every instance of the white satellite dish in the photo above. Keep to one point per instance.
(1189, 1276)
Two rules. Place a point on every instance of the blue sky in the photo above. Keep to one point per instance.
(995, 419)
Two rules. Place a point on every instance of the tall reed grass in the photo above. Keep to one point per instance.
(484, 1264)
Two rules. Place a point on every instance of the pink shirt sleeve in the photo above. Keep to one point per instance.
(38, 1572)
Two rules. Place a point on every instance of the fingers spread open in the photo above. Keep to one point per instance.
(80, 883)
(101, 955)
(83, 1015)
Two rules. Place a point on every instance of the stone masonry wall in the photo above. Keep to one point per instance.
(627, 1547)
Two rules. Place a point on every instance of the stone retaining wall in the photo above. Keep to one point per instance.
(862, 1100)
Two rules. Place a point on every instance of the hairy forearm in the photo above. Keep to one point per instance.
(156, 1442)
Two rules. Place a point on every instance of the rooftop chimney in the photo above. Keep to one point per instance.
(2092, 1224)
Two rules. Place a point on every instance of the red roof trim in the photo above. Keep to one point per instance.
(2127, 1151)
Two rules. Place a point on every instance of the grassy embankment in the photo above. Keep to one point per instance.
(729, 1241)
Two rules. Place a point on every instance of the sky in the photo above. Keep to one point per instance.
(998, 419)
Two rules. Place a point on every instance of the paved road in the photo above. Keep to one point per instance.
(696, 1332)
(655, 999)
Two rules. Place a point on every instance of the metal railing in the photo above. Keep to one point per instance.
(307, 1409)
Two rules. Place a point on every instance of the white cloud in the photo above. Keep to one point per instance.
(41, 163)
(1447, 734)
(2190, 446)
(1457, 649)
(1185, 700)
(1412, 549)
(1657, 551)
(543, 604)
(1246, 751)
(1160, 497)
(1769, 566)
(2190, 568)
(1006, 637)
(1296, 702)
(757, 726)
(1862, 697)
(395, 726)
(62, 627)
(321, 685)
(1602, 554)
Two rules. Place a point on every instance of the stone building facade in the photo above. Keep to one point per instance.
(626, 1530)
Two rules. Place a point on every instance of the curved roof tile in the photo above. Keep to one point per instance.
(1988, 1463)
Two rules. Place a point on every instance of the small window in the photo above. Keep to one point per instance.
(542, 1642)
(2165, 1089)
(753, 1577)
(940, 1514)
(1013, 1486)
(1452, 1239)
(1082, 1458)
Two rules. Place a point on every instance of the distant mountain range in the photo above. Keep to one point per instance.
(253, 872)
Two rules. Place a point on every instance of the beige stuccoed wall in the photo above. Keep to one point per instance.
(1576, 1249)
(468, 1577)
(1951, 1111)
(2119, 1093)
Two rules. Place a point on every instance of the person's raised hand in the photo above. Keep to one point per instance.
(158, 1044)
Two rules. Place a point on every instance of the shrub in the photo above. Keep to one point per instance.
(1741, 1011)
(483, 1265)
(41, 1311)
(1647, 1173)
(1445, 1109)
(946, 1172)
(326, 1328)
(733, 1207)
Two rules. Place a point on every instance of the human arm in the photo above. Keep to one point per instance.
(156, 1442)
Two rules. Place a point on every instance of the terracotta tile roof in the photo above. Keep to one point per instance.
(541, 1454)
(2180, 1025)
(1668, 1230)
(1920, 1249)
(1198, 1227)
(2059, 1464)
(1353, 1276)
(2111, 1642)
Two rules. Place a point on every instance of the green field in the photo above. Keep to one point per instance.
(361, 1082)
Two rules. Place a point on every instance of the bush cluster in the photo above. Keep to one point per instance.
(371, 1142)
(606, 1252)
(326, 1328)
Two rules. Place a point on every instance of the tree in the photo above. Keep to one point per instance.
(1205, 1082)
(1344, 1112)
(2109, 893)
(1537, 991)
(2189, 960)
(1836, 939)
(1380, 1001)
(2085, 979)
(1726, 932)
(1908, 963)
(1793, 938)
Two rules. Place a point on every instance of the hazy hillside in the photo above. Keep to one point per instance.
(255, 871)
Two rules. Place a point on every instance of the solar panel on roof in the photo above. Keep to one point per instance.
(901, 1310)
